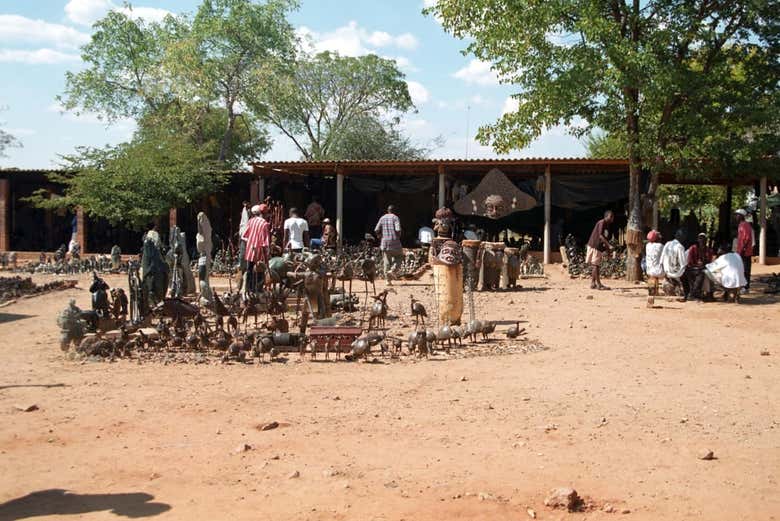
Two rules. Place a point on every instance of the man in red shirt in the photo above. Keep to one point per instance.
(699, 255)
(744, 244)
(258, 240)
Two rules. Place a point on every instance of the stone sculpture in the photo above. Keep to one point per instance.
(71, 326)
(181, 282)
(116, 257)
(204, 246)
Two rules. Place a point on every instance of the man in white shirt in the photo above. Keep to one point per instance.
(653, 265)
(296, 232)
(674, 260)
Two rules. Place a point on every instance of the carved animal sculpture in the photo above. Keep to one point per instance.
(514, 331)
(378, 312)
(418, 311)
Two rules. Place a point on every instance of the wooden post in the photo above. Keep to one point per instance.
(261, 189)
(5, 221)
(762, 223)
(81, 230)
(656, 211)
(442, 189)
(173, 218)
(547, 212)
(254, 192)
(340, 203)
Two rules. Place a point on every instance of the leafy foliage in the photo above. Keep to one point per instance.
(658, 72)
(193, 72)
(134, 183)
(370, 138)
(7, 140)
(320, 100)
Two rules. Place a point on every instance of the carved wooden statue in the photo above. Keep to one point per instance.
(205, 246)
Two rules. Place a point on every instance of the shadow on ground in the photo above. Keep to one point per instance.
(56, 502)
(11, 317)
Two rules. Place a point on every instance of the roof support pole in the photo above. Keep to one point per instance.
(339, 203)
(173, 219)
(5, 220)
(81, 230)
(547, 212)
(762, 223)
(261, 189)
(656, 211)
(442, 189)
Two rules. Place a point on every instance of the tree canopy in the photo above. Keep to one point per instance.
(319, 100)
(134, 183)
(7, 140)
(641, 69)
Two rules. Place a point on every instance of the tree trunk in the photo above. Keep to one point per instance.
(228, 135)
(634, 231)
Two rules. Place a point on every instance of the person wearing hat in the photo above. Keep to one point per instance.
(653, 265)
(744, 246)
(699, 255)
(330, 236)
(258, 240)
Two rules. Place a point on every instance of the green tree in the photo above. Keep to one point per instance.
(318, 99)
(603, 145)
(187, 71)
(7, 140)
(371, 138)
(134, 183)
(638, 69)
(227, 44)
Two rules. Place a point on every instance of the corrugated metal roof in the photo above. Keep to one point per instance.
(586, 160)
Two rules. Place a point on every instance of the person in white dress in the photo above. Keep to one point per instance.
(674, 259)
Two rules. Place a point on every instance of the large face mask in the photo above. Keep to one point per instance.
(450, 253)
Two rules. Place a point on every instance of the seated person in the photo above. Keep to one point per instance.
(675, 260)
(699, 255)
(728, 272)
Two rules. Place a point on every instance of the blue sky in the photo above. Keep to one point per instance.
(39, 42)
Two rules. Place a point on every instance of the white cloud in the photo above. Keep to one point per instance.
(20, 132)
(477, 72)
(17, 29)
(148, 14)
(87, 12)
(418, 92)
(353, 40)
(36, 57)
(510, 105)
(406, 41)
(403, 63)
(379, 39)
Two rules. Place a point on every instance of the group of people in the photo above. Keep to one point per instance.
(692, 273)
(697, 271)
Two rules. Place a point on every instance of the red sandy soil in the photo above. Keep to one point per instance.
(619, 407)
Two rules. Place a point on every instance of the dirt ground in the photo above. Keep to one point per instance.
(619, 407)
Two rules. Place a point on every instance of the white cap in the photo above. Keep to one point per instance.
(742, 212)
(256, 209)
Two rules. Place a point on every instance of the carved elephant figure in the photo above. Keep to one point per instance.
(512, 262)
(491, 263)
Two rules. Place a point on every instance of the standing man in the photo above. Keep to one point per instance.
(242, 242)
(388, 229)
(597, 245)
(745, 245)
(258, 239)
(330, 236)
(653, 266)
(314, 215)
(296, 232)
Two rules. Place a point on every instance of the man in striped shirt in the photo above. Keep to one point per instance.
(388, 229)
(258, 240)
